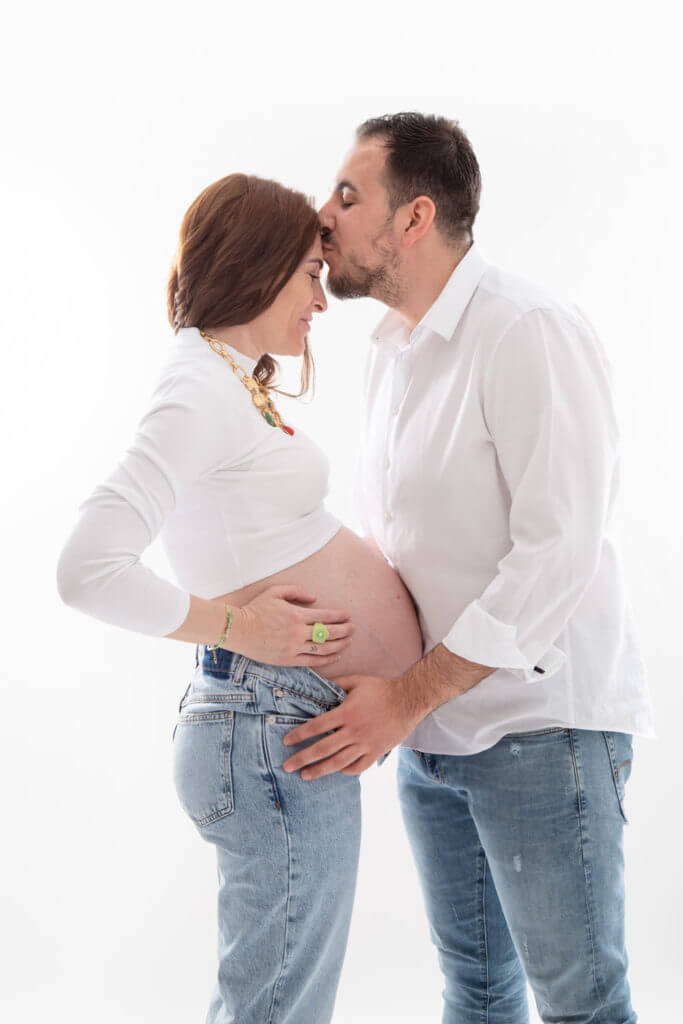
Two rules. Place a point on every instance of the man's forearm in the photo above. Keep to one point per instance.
(437, 678)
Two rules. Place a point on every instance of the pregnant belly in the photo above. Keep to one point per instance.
(352, 574)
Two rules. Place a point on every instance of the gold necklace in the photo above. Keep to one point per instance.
(260, 395)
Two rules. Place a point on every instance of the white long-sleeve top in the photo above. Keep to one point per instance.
(488, 477)
(232, 498)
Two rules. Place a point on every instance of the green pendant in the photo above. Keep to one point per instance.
(269, 419)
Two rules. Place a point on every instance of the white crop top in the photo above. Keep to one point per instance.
(233, 499)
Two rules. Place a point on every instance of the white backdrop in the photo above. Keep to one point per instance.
(116, 117)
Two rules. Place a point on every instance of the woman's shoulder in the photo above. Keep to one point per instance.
(196, 375)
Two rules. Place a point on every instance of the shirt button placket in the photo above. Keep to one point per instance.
(390, 440)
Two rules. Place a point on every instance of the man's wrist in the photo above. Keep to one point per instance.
(437, 678)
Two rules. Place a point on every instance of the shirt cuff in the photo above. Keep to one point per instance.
(479, 637)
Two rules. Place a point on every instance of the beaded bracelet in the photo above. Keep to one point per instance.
(226, 630)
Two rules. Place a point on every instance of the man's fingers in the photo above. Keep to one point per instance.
(317, 751)
(347, 756)
(314, 727)
(359, 766)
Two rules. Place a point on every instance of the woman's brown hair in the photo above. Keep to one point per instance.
(240, 242)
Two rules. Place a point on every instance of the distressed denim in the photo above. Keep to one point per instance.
(520, 857)
(287, 850)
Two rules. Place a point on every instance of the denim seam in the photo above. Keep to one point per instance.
(264, 745)
(204, 716)
(612, 755)
(586, 869)
(486, 948)
(537, 732)
(217, 698)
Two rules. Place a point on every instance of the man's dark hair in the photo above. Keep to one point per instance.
(429, 156)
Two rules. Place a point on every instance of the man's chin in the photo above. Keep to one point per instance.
(344, 287)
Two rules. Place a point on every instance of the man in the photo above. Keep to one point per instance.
(488, 478)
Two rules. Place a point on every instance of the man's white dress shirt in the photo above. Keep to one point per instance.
(488, 477)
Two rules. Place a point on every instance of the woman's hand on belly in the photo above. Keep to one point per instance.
(272, 629)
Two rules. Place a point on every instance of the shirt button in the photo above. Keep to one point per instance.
(387, 517)
(394, 411)
(388, 462)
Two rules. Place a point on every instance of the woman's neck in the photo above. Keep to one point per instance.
(239, 337)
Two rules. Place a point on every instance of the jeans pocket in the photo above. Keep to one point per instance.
(620, 752)
(202, 764)
(328, 685)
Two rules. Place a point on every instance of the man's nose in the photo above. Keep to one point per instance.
(326, 219)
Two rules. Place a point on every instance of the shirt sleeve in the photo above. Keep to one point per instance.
(548, 405)
(99, 571)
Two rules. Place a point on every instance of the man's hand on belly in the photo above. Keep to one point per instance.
(378, 713)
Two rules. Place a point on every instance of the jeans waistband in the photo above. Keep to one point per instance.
(233, 670)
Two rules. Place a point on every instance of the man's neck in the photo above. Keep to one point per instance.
(427, 279)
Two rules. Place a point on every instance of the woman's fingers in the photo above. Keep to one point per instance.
(327, 654)
(326, 615)
(329, 647)
(313, 661)
(342, 632)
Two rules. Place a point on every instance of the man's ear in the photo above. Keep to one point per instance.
(418, 218)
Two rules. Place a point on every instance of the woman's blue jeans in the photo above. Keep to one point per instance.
(287, 850)
(519, 853)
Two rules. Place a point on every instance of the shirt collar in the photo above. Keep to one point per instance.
(443, 316)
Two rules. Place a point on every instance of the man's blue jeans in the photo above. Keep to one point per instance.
(520, 857)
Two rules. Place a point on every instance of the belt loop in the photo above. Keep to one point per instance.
(240, 669)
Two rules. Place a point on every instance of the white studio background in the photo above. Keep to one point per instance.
(115, 118)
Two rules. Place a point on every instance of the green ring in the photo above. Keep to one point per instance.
(320, 633)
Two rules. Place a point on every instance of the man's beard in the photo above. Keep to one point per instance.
(382, 282)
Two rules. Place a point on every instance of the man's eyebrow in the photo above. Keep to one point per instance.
(345, 183)
(319, 262)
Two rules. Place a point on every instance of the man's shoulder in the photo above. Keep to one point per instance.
(506, 296)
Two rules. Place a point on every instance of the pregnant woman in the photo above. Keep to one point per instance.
(277, 595)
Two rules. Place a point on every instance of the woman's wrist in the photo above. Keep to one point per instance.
(239, 635)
